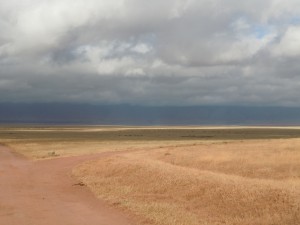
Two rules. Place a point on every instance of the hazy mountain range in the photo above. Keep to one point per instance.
(146, 115)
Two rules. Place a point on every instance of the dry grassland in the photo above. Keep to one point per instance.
(48, 142)
(40, 142)
(181, 175)
(232, 182)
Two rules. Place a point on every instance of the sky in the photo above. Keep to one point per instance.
(156, 53)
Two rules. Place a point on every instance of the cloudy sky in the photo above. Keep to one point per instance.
(170, 52)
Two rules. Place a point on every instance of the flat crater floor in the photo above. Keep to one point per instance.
(150, 175)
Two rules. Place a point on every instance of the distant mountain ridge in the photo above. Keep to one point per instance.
(58, 113)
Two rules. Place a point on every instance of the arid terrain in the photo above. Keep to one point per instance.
(44, 193)
(155, 175)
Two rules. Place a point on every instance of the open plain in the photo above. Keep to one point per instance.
(150, 175)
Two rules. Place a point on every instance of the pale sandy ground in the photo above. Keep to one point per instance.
(119, 128)
(44, 193)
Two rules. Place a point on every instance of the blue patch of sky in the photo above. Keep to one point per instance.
(260, 31)
(256, 29)
(295, 20)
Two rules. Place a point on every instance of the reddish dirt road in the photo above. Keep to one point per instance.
(44, 193)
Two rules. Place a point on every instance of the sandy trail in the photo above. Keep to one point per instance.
(44, 193)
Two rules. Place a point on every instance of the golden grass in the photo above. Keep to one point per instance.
(181, 175)
(242, 182)
(40, 142)
(48, 142)
(36, 150)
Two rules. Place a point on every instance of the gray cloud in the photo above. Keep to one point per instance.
(182, 52)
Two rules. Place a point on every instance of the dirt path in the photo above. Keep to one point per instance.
(44, 193)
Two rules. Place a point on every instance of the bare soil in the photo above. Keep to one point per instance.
(45, 193)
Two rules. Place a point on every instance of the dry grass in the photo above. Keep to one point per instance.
(37, 150)
(242, 182)
(181, 175)
(48, 142)
(43, 142)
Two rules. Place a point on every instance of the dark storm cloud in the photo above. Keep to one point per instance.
(182, 52)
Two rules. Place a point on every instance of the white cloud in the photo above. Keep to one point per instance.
(246, 48)
(141, 48)
(40, 25)
(180, 7)
(169, 52)
(289, 45)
